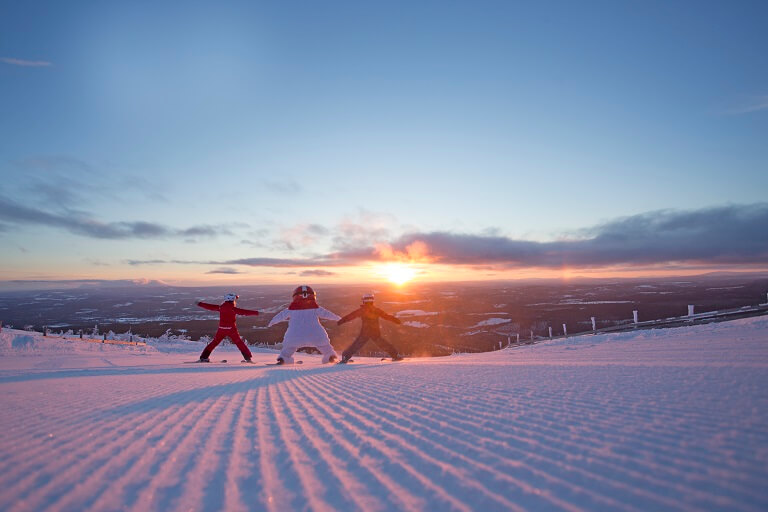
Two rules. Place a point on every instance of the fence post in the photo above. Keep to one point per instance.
(594, 326)
(531, 334)
(690, 309)
(634, 315)
(565, 330)
(550, 333)
(500, 344)
(509, 341)
(518, 337)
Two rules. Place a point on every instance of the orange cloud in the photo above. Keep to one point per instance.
(415, 252)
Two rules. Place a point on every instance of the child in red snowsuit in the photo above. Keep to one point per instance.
(227, 329)
(369, 330)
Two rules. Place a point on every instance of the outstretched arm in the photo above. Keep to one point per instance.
(387, 316)
(327, 315)
(246, 312)
(209, 307)
(280, 317)
(349, 317)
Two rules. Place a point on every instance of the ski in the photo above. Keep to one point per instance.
(284, 364)
(201, 362)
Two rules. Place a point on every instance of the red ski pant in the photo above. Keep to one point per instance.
(226, 332)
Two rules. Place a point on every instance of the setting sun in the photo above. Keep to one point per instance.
(397, 273)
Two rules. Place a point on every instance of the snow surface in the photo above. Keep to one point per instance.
(672, 419)
(418, 325)
(414, 312)
(492, 321)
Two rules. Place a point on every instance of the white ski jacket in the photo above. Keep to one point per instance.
(304, 328)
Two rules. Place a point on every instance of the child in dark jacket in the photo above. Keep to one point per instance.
(227, 328)
(369, 329)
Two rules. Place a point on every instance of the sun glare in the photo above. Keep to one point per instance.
(398, 273)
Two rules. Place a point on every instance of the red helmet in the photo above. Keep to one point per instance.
(304, 291)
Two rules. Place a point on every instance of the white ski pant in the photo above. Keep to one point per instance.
(325, 349)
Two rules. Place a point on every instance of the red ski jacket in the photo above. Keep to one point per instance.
(227, 313)
(369, 316)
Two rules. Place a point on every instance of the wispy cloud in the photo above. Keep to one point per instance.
(317, 273)
(325, 261)
(302, 235)
(25, 63)
(83, 224)
(67, 180)
(136, 263)
(224, 270)
(754, 104)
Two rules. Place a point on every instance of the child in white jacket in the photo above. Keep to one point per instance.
(304, 328)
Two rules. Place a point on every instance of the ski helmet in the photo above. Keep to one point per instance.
(231, 297)
(368, 298)
(304, 292)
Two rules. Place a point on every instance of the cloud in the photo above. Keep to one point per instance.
(316, 273)
(82, 224)
(301, 235)
(366, 228)
(224, 270)
(728, 234)
(136, 263)
(25, 63)
(733, 234)
(328, 261)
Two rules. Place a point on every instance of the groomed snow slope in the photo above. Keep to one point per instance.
(655, 420)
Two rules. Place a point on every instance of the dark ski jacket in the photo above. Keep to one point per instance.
(369, 315)
(227, 313)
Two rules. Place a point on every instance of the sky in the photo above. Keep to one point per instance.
(280, 142)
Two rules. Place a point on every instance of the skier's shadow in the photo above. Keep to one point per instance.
(270, 376)
(103, 371)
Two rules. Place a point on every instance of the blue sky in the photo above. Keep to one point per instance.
(138, 135)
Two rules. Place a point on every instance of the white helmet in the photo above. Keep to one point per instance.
(231, 297)
(368, 298)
